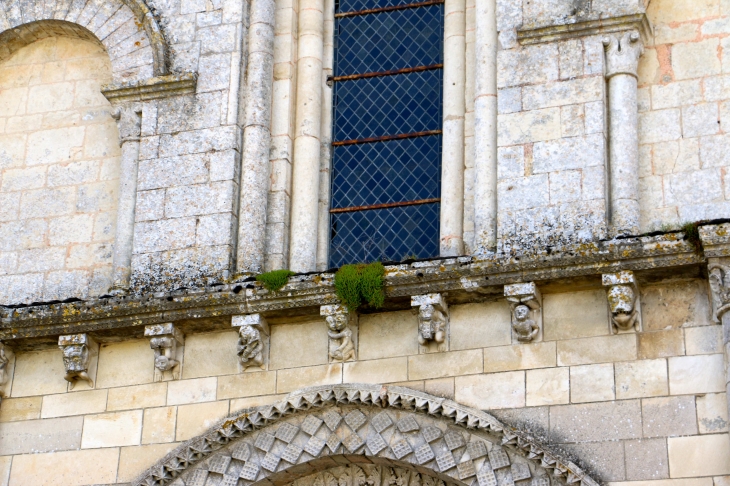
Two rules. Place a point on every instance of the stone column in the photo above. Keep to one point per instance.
(256, 139)
(452, 165)
(323, 232)
(622, 60)
(129, 122)
(719, 275)
(305, 177)
(485, 127)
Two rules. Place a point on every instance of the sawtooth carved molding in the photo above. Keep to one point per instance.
(433, 320)
(342, 339)
(526, 304)
(623, 300)
(408, 437)
(253, 340)
(164, 341)
(79, 358)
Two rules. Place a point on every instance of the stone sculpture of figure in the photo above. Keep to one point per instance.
(621, 299)
(250, 347)
(76, 361)
(4, 360)
(164, 348)
(525, 328)
(431, 324)
(338, 329)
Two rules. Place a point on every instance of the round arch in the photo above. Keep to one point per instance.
(357, 435)
(126, 28)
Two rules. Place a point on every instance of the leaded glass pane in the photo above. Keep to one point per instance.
(394, 171)
(389, 41)
(392, 234)
(388, 105)
(357, 5)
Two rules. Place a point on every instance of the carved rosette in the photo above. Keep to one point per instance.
(166, 341)
(623, 295)
(623, 51)
(79, 358)
(525, 303)
(342, 329)
(253, 340)
(433, 320)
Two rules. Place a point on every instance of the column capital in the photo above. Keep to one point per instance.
(129, 122)
(623, 50)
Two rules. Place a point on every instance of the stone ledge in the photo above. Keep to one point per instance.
(556, 33)
(152, 88)
(305, 293)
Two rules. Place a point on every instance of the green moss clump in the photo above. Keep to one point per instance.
(355, 284)
(692, 234)
(274, 280)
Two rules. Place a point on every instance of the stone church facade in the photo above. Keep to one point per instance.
(545, 182)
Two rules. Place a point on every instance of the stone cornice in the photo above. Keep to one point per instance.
(305, 293)
(560, 32)
(152, 88)
(715, 240)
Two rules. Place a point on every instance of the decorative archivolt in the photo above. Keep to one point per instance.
(126, 28)
(358, 435)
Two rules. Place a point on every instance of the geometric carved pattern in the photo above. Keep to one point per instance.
(449, 441)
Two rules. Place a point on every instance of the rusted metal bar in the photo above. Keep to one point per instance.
(352, 209)
(387, 9)
(378, 74)
(387, 138)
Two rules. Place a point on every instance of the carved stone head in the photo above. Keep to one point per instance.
(75, 357)
(337, 322)
(248, 335)
(522, 312)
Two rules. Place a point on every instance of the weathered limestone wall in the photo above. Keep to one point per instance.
(685, 117)
(646, 406)
(551, 135)
(59, 170)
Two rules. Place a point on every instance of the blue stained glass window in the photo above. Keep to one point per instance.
(386, 190)
(388, 105)
(392, 234)
(395, 171)
(389, 41)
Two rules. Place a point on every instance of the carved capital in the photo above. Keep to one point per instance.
(719, 276)
(164, 341)
(433, 319)
(6, 364)
(253, 340)
(623, 51)
(78, 351)
(526, 305)
(342, 332)
(623, 294)
(129, 122)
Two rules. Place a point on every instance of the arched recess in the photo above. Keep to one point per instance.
(126, 28)
(344, 434)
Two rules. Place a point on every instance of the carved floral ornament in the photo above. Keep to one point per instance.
(357, 435)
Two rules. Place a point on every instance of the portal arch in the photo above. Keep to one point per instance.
(357, 435)
(126, 28)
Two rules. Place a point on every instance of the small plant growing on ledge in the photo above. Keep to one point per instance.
(274, 280)
(692, 235)
(355, 284)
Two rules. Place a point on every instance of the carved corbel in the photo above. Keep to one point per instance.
(7, 364)
(166, 341)
(526, 309)
(719, 276)
(80, 353)
(623, 300)
(342, 332)
(253, 340)
(433, 320)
